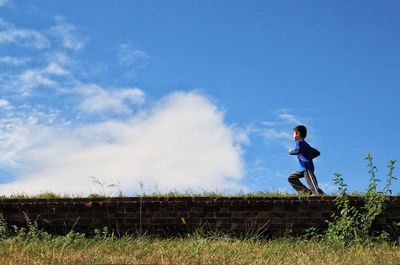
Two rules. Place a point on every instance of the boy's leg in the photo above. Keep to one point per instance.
(312, 182)
(296, 183)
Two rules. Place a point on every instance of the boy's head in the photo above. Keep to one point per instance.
(299, 132)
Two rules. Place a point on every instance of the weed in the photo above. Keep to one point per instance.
(3, 227)
(354, 224)
(113, 188)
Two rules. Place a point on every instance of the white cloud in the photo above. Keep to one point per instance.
(54, 69)
(289, 118)
(5, 105)
(22, 37)
(269, 123)
(99, 100)
(68, 34)
(275, 134)
(181, 143)
(12, 61)
(32, 78)
(60, 58)
(15, 136)
(132, 57)
(279, 129)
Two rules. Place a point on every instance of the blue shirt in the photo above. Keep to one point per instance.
(305, 153)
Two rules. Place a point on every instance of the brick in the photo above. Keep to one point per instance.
(195, 209)
(283, 216)
(237, 214)
(223, 214)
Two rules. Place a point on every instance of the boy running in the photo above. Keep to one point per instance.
(305, 153)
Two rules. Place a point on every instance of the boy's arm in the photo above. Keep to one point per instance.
(296, 149)
(315, 153)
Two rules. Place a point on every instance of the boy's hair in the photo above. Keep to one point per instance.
(302, 130)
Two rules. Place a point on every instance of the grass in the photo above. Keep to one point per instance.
(52, 195)
(171, 194)
(191, 250)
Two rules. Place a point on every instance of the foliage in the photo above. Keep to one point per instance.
(3, 228)
(344, 227)
(354, 224)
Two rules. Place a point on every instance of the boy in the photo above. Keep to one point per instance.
(305, 153)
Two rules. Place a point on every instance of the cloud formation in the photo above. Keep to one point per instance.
(58, 130)
(13, 61)
(100, 100)
(132, 58)
(32, 78)
(4, 104)
(182, 143)
(9, 34)
(276, 130)
(288, 118)
(67, 34)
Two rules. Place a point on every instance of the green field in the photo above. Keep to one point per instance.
(191, 250)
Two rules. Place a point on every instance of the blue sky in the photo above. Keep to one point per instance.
(195, 94)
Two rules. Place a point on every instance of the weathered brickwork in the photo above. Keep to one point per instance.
(171, 216)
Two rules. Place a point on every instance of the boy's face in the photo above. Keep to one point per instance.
(297, 136)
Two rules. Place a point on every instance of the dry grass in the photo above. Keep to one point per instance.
(191, 250)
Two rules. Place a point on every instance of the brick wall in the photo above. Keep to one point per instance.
(170, 216)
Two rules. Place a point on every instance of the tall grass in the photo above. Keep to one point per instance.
(191, 250)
